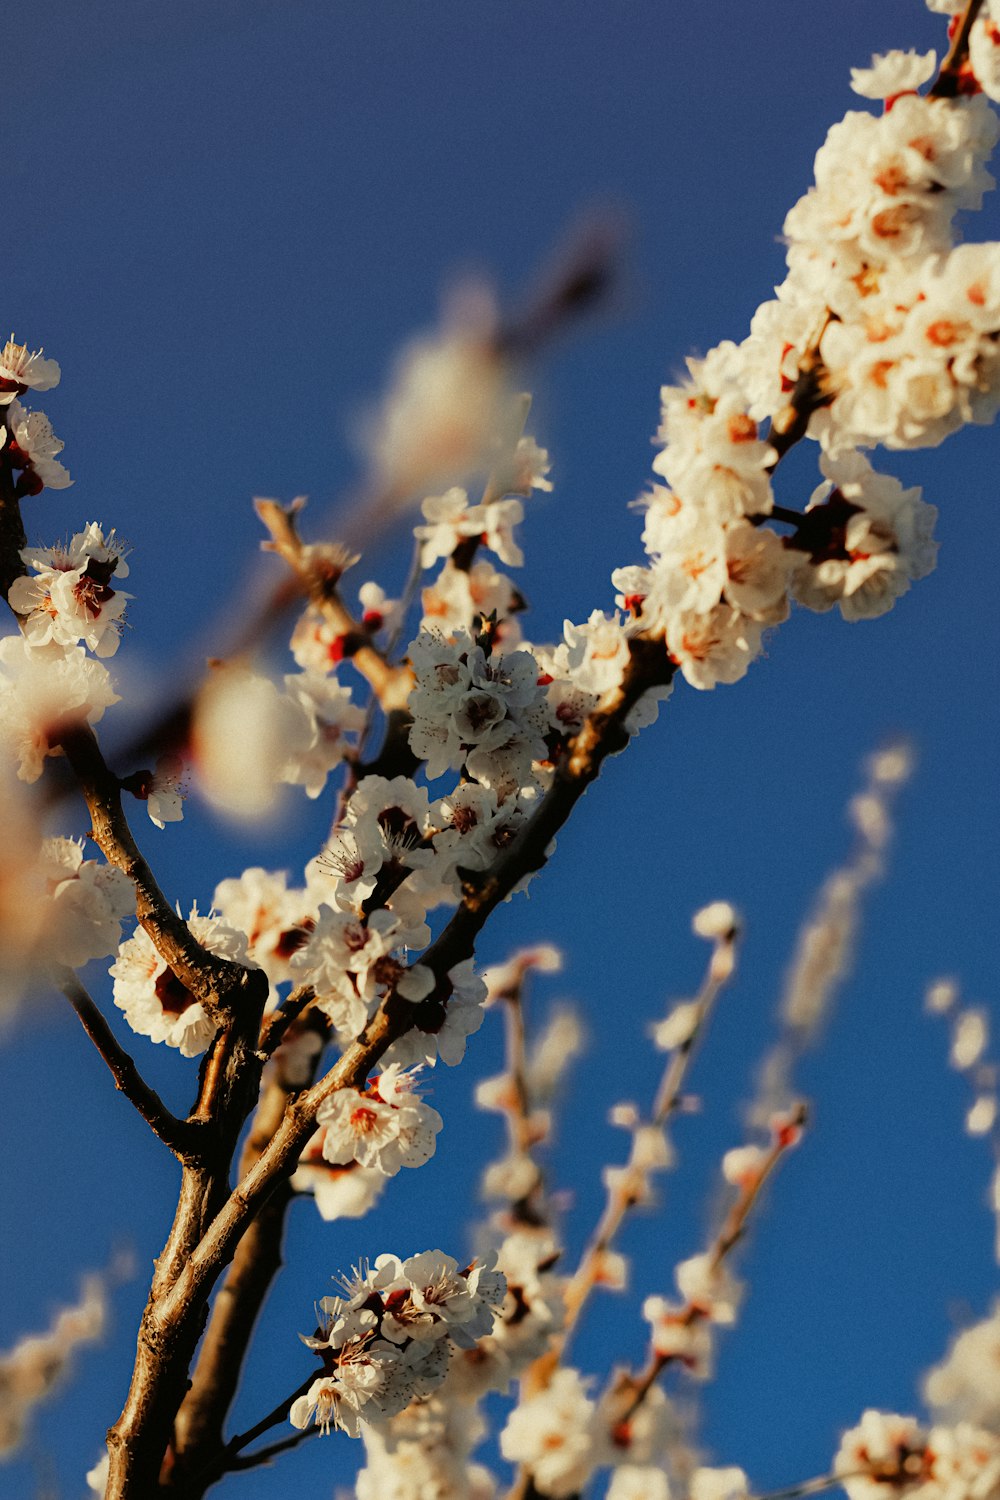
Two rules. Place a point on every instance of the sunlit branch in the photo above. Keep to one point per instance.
(264, 1455)
(390, 684)
(276, 1025)
(12, 537)
(181, 1136)
(603, 734)
(220, 985)
(946, 85)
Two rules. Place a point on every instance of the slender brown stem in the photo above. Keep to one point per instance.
(274, 1416)
(208, 1230)
(227, 1458)
(731, 1232)
(809, 393)
(518, 1119)
(264, 1455)
(274, 1029)
(391, 685)
(224, 988)
(12, 537)
(946, 85)
(182, 1136)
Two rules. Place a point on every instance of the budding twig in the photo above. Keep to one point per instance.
(390, 684)
(731, 1232)
(620, 1199)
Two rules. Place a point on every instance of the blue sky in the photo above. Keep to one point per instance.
(224, 220)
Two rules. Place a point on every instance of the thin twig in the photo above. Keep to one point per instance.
(391, 685)
(807, 396)
(12, 537)
(274, 1416)
(519, 1118)
(406, 598)
(946, 85)
(264, 1455)
(621, 1200)
(732, 1231)
(181, 1136)
(274, 1028)
(809, 1486)
(222, 987)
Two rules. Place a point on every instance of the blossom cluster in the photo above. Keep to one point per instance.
(159, 1005)
(390, 1338)
(68, 605)
(59, 908)
(884, 332)
(887, 1454)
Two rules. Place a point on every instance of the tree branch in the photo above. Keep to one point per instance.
(264, 1455)
(948, 82)
(603, 734)
(731, 1232)
(222, 987)
(181, 1136)
(273, 1031)
(223, 1463)
(390, 684)
(12, 537)
(621, 1199)
(198, 1430)
(207, 1233)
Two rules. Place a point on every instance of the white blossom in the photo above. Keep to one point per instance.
(551, 1433)
(34, 445)
(21, 371)
(156, 1003)
(86, 904)
(385, 1127)
(964, 1386)
(43, 693)
(893, 73)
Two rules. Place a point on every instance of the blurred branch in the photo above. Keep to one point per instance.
(731, 1232)
(620, 1199)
